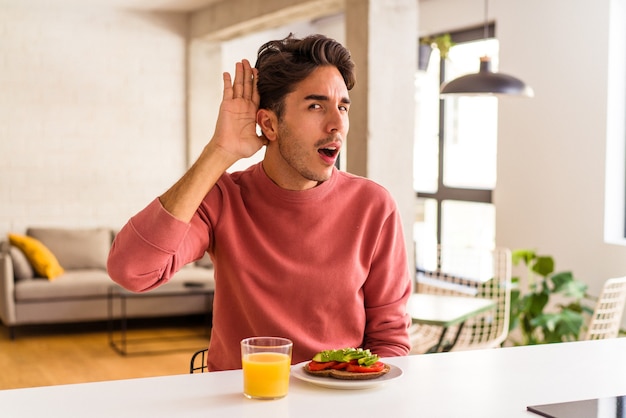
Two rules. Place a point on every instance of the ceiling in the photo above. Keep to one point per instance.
(163, 5)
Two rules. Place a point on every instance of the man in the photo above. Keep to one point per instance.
(301, 250)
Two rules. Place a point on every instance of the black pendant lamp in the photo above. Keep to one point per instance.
(486, 82)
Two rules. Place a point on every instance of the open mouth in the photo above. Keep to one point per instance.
(329, 152)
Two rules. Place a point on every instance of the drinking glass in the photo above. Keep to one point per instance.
(266, 363)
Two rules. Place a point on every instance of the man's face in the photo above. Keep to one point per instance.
(312, 129)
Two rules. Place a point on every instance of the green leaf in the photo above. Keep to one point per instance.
(543, 265)
(570, 323)
(566, 284)
(515, 296)
(568, 326)
(574, 307)
(560, 326)
(547, 321)
(576, 290)
(561, 280)
(533, 303)
(524, 255)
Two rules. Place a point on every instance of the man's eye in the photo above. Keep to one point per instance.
(343, 108)
(315, 106)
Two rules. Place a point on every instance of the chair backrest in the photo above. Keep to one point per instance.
(607, 315)
(488, 276)
(198, 361)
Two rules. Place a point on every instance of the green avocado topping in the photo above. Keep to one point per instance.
(344, 355)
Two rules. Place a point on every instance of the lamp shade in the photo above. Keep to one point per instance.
(486, 82)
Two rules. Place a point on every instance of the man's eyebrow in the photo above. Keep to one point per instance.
(321, 97)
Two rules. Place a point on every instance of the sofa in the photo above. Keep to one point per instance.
(80, 291)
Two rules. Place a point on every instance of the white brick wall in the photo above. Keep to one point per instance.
(92, 114)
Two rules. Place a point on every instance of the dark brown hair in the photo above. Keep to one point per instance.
(284, 63)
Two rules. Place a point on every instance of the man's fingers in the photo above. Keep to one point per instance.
(239, 78)
(255, 92)
(247, 79)
(244, 86)
(228, 86)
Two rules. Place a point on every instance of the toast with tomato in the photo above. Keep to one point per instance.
(347, 364)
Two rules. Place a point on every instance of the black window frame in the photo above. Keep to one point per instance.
(456, 193)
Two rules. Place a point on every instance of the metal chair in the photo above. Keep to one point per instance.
(468, 272)
(198, 361)
(607, 315)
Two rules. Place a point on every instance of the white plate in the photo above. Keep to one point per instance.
(298, 372)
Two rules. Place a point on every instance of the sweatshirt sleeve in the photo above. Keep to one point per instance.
(386, 291)
(152, 246)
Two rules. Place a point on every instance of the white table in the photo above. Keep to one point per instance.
(498, 383)
(445, 311)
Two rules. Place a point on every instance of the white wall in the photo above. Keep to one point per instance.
(92, 114)
(550, 193)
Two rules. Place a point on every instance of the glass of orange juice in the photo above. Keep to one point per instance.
(266, 362)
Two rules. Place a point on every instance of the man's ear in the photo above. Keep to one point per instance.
(268, 122)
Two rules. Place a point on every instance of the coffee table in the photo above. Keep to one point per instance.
(120, 298)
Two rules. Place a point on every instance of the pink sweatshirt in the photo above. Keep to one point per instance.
(324, 267)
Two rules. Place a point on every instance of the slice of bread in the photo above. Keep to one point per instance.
(344, 375)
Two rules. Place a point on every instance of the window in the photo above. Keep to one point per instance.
(455, 152)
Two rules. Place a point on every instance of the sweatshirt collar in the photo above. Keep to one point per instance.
(268, 186)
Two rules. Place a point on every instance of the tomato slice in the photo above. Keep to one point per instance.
(339, 365)
(376, 367)
(317, 366)
(351, 366)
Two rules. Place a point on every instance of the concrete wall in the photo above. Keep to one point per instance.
(92, 113)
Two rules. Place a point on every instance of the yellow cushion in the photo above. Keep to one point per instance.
(41, 258)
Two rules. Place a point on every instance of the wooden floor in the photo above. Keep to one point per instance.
(77, 353)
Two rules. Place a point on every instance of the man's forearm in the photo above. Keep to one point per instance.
(184, 197)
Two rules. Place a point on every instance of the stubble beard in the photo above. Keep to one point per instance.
(296, 156)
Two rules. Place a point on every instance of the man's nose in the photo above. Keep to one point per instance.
(337, 121)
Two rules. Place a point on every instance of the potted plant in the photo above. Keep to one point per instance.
(540, 319)
(442, 42)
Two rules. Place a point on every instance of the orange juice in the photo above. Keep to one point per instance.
(265, 375)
